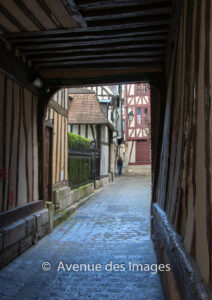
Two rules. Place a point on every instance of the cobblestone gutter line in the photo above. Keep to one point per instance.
(64, 214)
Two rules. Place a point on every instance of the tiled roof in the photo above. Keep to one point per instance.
(85, 109)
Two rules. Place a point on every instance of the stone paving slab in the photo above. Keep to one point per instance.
(112, 226)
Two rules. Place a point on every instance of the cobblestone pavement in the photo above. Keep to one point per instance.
(112, 226)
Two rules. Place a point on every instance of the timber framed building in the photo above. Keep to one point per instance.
(86, 118)
(49, 45)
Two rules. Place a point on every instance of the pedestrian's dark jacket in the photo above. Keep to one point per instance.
(120, 162)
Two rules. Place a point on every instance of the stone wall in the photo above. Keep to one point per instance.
(22, 234)
(101, 182)
(72, 201)
(136, 170)
(62, 198)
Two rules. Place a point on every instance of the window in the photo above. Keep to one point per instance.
(145, 111)
(138, 88)
(139, 116)
(144, 88)
(70, 127)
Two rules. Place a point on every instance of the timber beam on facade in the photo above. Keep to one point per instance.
(17, 70)
(58, 108)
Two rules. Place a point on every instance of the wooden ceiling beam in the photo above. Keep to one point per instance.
(101, 66)
(146, 12)
(129, 11)
(90, 36)
(126, 61)
(87, 5)
(127, 21)
(81, 61)
(114, 41)
(107, 28)
(12, 19)
(69, 57)
(72, 9)
(75, 77)
(49, 13)
(121, 62)
(148, 47)
(3, 29)
(29, 14)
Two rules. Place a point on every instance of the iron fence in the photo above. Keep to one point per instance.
(83, 166)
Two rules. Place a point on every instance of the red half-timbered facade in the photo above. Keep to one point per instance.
(137, 119)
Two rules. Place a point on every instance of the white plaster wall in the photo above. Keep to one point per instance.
(75, 129)
(104, 165)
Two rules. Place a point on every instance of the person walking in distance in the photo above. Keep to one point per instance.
(119, 165)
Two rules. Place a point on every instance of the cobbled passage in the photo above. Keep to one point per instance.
(88, 256)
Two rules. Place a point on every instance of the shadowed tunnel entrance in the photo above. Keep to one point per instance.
(49, 45)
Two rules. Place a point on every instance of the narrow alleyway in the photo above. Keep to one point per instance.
(112, 226)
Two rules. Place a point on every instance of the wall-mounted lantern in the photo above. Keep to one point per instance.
(130, 116)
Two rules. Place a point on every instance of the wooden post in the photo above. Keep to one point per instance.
(44, 98)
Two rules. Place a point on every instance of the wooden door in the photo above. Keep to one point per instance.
(48, 163)
(143, 152)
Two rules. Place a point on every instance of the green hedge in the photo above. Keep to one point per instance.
(78, 142)
(79, 167)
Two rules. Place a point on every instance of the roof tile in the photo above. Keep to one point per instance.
(86, 109)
